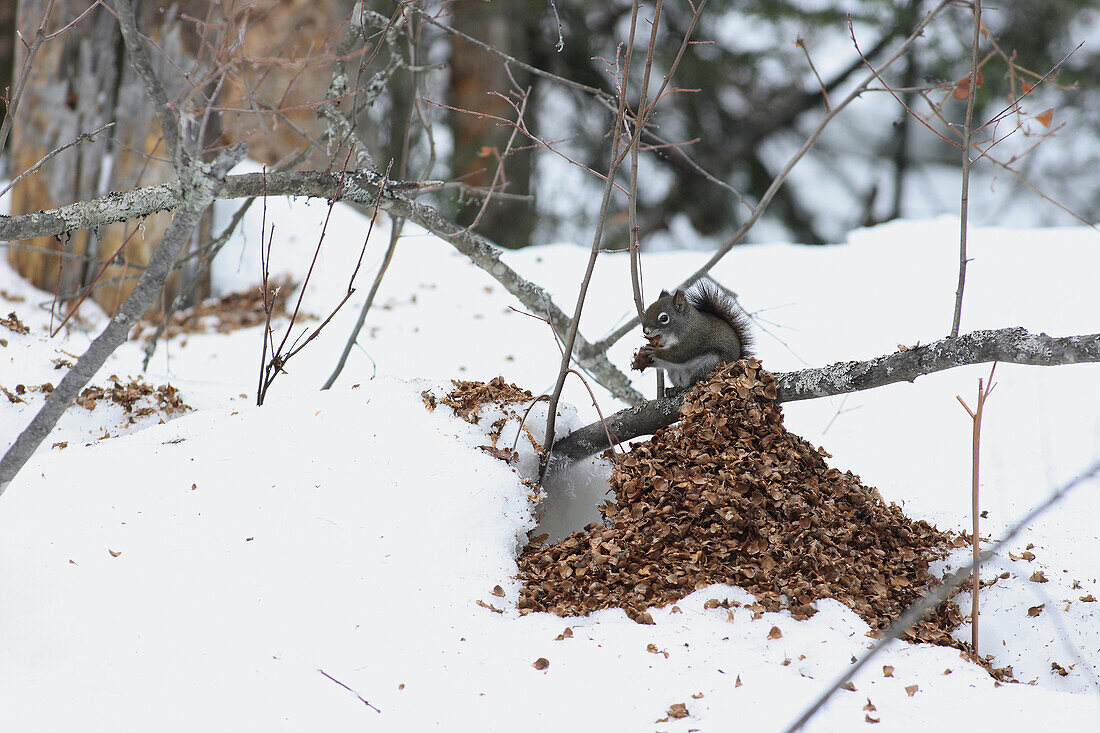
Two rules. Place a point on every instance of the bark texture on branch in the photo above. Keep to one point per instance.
(149, 287)
(1010, 345)
(359, 186)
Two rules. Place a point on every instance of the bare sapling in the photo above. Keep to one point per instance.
(976, 419)
(964, 200)
(944, 591)
(617, 158)
(271, 367)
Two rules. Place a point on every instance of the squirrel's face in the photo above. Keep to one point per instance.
(665, 319)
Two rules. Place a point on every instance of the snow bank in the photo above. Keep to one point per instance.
(354, 532)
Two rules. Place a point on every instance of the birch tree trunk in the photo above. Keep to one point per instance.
(79, 82)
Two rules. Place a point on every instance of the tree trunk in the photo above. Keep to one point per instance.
(475, 73)
(79, 82)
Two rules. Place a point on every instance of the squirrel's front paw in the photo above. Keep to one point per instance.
(643, 358)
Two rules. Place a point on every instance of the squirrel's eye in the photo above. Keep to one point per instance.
(663, 318)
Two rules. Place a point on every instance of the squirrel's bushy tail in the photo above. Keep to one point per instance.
(707, 297)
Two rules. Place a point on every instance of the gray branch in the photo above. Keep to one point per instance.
(359, 186)
(1010, 345)
(140, 62)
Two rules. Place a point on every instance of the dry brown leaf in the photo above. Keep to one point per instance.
(849, 686)
(1045, 118)
(113, 553)
(870, 706)
(12, 323)
(1038, 577)
(541, 663)
(678, 710)
(497, 591)
(775, 633)
(887, 670)
(1035, 610)
(911, 690)
(1089, 598)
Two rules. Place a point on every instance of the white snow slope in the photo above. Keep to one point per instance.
(316, 563)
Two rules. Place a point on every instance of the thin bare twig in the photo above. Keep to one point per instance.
(24, 73)
(632, 200)
(976, 419)
(806, 52)
(964, 199)
(82, 137)
(597, 238)
(361, 698)
(602, 345)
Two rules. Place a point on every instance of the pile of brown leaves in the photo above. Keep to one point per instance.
(226, 314)
(727, 495)
(130, 396)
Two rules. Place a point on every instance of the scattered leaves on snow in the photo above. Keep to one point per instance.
(467, 398)
(135, 398)
(229, 313)
(12, 323)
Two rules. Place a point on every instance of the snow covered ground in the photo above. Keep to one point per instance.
(320, 563)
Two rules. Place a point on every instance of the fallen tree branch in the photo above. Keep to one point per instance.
(1010, 345)
(359, 186)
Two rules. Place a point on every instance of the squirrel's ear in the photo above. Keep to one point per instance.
(680, 301)
(664, 294)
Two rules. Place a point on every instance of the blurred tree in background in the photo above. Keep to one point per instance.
(745, 96)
